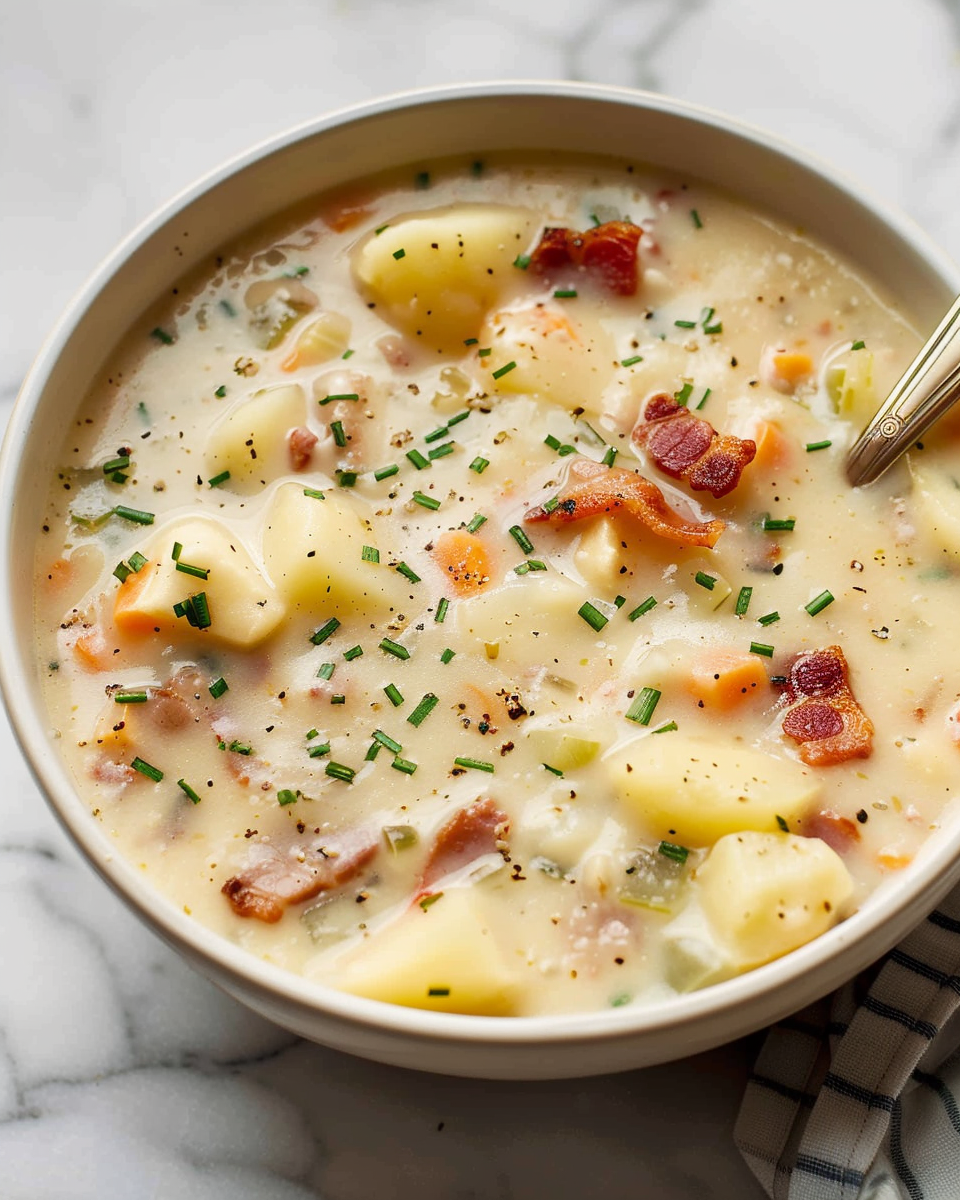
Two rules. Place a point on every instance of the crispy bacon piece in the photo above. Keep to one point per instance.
(468, 834)
(608, 253)
(300, 444)
(687, 447)
(825, 718)
(274, 878)
(593, 488)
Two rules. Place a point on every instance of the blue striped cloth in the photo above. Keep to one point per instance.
(858, 1096)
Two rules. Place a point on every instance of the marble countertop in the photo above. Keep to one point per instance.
(122, 1073)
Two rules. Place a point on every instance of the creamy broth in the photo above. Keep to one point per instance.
(436, 614)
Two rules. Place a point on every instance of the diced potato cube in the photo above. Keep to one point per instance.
(244, 606)
(443, 957)
(250, 441)
(566, 359)
(436, 274)
(600, 555)
(768, 893)
(693, 791)
(936, 503)
(565, 747)
(324, 338)
(850, 385)
(313, 550)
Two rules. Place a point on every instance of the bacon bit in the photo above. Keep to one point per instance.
(300, 444)
(687, 447)
(608, 253)
(105, 770)
(826, 719)
(274, 878)
(840, 833)
(468, 834)
(593, 488)
(394, 350)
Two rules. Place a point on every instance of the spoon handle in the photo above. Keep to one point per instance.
(928, 387)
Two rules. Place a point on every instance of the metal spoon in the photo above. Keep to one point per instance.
(928, 387)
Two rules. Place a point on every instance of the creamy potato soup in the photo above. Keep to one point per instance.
(453, 595)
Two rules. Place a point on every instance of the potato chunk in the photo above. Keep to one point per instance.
(250, 441)
(693, 791)
(768, 893)
(436, 274)
(313, 550)
(936, 503)
(443, 957)
(244, 606)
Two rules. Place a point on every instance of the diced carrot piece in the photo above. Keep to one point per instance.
(464, 559)
(126, 613)
(91, 649)
(346, 211)
(891, 861)
(774, 447)
(792, 366)
(726, 678)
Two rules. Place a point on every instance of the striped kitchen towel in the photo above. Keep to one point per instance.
(858, 1096)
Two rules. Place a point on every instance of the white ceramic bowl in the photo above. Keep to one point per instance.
(418, 127)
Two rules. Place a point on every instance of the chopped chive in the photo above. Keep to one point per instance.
(684, 394)
(118, 477)
(136, 561)
(423, 709)
(704, 398)
(381, 228)
(706, 315)
(528, 565)
(196, 572)
(134, 514)
(346, 479)
(858, 346)
(218, 687)
(408, 572)
(447, 655)
(145, 768)
(436, 434)
(485, 351)
(818, 445)
(137, 697)
(394, 648)
(393, 695)
(521, 539)
(240, 748)
(339, 436)
(609, 456)
(188, 790)
(339, 396)
(326, 670)
(352, 653)
(475, 764)
(201, 610)
(429, 502)
(418, 459)
(348, 354)
(553, 442)
(819, 603)
(479, 464)
(679, 854)
(285, 796)
(770, 619)
(762, 649)
(458, 417)
(370, 554)
(221, 391)
(314, 493)
(475, 522)
(705, 581)
(470, 341)
(631, 361)
(442, 451)
(338, 698)
(401, 253)
(782, 824)
(641, 710)
(404, 765)
(668, 728)
(743, 601)
(162, 336)
(116, 464)
(441, 614)
(385, 472)
(685, 324)
(619, 601)
(176, 551)
(695, 218)
(384, 739)
(550, 505)
(642, 608)
(122, 572)
(325, 631)
(216, 480)
(565, 294)
(717, 328)
(311, 734)
(319, 751)
(504, 370)
(522, 261)
(372, 751)
(227, 307)
(553, 770)
(592, 615)
(425, 904)
(338, 771)
(785, 524)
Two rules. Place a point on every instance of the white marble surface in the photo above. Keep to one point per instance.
(123, 1074)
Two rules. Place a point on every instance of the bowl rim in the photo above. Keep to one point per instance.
(914, 896)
